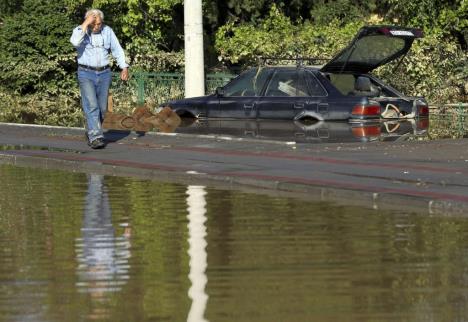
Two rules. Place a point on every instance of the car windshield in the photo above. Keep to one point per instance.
(372, 50)
(249, 83)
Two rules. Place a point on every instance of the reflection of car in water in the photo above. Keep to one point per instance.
(342, 89)
(318, 132)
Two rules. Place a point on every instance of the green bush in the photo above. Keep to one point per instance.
(37, 82)
(35, 52)
(59, 110)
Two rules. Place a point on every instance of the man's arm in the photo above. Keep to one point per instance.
(119, 55)
(80, 31)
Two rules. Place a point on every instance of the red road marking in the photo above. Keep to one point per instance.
(280, 155)
(319, 159)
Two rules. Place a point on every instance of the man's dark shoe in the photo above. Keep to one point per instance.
(98, 143)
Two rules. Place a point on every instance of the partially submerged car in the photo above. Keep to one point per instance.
(342, 89)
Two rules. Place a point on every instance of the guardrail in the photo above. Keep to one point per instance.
(156, 88)
(449, 120)
(459, 108)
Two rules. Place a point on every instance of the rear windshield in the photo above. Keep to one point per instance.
(373, 49)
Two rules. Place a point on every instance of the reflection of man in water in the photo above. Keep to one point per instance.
(103, 258)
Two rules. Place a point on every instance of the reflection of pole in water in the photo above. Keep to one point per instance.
(197, 251)
(103, 257)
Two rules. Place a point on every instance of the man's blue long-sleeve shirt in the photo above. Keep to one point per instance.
(93, 49)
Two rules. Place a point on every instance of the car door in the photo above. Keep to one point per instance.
(290, 94)
(238, 99)
(237, 107)
(317, 101)
(285, 96)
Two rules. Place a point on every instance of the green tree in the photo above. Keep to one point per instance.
(449, 17)
(342, 11)
(8, 7)
(35, 53)
(37, 61)
(246, 42)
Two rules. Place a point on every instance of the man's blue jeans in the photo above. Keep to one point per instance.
(94, 89)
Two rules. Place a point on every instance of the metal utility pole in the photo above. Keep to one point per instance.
(194, 61)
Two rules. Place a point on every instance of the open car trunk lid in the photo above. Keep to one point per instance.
(372, 47)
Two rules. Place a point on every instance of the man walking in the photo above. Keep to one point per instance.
(94, 41)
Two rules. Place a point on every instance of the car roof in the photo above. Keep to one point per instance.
(290, 67)
(373, 46)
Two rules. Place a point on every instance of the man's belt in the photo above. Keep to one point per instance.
(98, 69)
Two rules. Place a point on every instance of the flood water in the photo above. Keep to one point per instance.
(85, 247)
(452, 126)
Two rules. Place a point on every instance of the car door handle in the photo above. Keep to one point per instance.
(323, 108)
(298, 105)
(249, 105)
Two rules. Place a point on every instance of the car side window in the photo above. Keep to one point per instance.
(343, 82)
(260, 79)
(249, 83)
(286, 83)
(240, 85)
(315, 88)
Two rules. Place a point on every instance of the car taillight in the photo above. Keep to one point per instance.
(366, 110)
(366, 131)
(423, 124)
(423, 110)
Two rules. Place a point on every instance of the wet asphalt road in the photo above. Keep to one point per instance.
(425, 176)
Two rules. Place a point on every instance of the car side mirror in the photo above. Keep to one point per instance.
(219, 91)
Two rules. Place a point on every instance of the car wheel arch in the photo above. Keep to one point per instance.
(308, 116)
(184, 113)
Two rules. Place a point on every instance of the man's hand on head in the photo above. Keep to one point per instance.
(88, 21)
